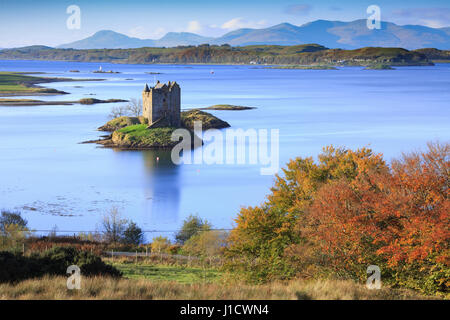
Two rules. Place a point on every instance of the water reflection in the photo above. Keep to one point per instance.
(162, 187)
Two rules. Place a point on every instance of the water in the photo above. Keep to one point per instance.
(55, 181)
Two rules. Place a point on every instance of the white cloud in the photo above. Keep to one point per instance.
(238, 23)
(194, 26)
(431, 17)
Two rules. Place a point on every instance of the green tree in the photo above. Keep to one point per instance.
(133, 235)
(191, 226)
(8, 218)
(13, 231)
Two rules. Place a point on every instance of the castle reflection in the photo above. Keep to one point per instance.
(162, 187)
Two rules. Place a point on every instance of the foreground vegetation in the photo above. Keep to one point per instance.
(307, 54)
(322, 225)
(347, 211)
(167, 272)
(124, 289)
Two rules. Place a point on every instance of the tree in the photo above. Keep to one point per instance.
(113, 226)
(132, 109)
(395, 219)
(12, 218)
(133, 235)
(206, 244)
(13, 230)
(262, 235)
(160, 244)
(117, 112)
(191, 226)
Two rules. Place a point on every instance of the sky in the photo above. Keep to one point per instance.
(44, 22)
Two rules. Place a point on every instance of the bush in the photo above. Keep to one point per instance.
(191, 226)
(55, 261)
(133, 235)
(206, 244)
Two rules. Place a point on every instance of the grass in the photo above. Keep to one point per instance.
(124, 289)
(133, 132)
(138, 136)
(122, 122)
(16, 83)
(180, 274)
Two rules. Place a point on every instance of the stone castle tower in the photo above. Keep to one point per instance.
(161, 104)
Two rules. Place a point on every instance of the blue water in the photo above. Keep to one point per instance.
(72, 185)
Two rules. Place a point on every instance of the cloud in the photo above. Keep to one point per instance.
(431, 17)
(298, 9)
(194, 26)
(238, 23)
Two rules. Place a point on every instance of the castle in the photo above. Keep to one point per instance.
(161, 104)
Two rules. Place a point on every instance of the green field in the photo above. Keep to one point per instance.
(15, 83)
(181, 274)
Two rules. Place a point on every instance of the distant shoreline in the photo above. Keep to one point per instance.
(257, 55)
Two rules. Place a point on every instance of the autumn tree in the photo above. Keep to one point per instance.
(262, 234)
(396, 219)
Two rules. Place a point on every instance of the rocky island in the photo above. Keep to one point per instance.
(161, 117)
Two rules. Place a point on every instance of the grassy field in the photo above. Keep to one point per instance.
(180, 274)
(108, 288)
(17, 83)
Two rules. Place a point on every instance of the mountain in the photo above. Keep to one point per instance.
(345, 35)
(332, 34)
(283, 34)
(107, 39)
(173, 39)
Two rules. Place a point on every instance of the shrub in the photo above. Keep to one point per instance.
(160, 244)
(133, 235)
(191, 226)
(206, 244)
(52, 262)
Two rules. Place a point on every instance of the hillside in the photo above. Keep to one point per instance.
(435, 54)
(310, 54)
(332, 34)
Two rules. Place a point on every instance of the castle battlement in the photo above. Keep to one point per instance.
(161, 104)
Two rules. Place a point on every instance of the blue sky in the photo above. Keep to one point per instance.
(26, 22)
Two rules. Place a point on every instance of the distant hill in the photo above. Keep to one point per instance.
(332, 34)
(309, 54)
(110, 40)
(107, 39)
(173, 39)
